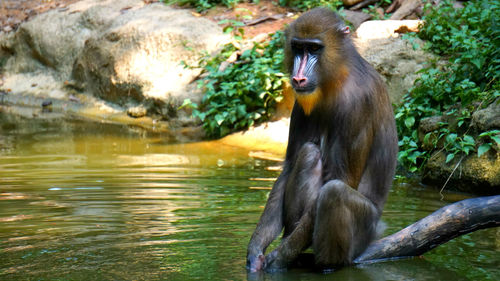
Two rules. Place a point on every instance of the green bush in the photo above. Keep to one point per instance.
(202, 5)
(309, 4)
(245, 91)
(470, 39)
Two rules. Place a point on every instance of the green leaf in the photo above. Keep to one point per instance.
(477, 62)
(188, 103)
(427, 137)
(483, 149)
(450, 157)
(202, 116)
(409, 121)
(469, 140)
(490, 133)
(228, 29)
(219, 119)
(496, 139)
(451, 138)
(466, 149)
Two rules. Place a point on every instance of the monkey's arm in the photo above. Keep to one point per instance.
(271, 221)
(380, 166)
(292, 245)
(269, 226)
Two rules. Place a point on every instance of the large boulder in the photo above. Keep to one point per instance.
(124, 52)
(139, 56)
(479, 175)
(488, 118)
(396, 59)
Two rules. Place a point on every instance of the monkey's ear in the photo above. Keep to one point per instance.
(345, 30)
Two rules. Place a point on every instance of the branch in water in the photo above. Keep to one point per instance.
(439, 227)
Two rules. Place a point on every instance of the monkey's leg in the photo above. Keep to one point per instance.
(269, 226)
(300, 202)
(345, 223)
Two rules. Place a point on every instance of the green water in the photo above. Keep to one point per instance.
(92, 201)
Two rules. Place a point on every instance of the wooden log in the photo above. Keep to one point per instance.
(439, 227)
(362, 4)
(263, 19)
(394, 5)
(407, 8)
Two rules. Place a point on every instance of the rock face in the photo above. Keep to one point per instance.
(120, 51)
(488, 118)
(480, 175)
(395, 59)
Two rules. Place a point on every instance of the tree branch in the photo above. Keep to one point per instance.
(439, 227)
(362, 4)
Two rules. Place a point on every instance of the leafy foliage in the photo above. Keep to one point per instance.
(241, 86)
(202, 5)
(372, 10)
(309, 4)
(470, 39)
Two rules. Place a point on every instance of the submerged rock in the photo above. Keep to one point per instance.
(137, 111)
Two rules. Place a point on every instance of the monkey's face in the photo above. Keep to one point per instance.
(306, 53)
(315, 57)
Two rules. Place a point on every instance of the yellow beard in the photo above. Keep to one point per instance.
(309, 101)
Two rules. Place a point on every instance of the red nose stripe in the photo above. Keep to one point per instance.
(300, 73)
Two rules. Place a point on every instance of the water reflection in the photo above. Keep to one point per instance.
(90, 201)
(411, 269)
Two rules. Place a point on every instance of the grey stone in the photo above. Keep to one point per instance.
(120, 51)
(394, 58)
(488, 118)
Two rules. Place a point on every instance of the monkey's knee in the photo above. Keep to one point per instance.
(333, 191)
(309, 155)
(345, 223)
(332, 229)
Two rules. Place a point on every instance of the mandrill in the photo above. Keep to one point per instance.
(341, 152)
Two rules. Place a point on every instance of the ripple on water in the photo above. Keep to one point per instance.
(88, 201)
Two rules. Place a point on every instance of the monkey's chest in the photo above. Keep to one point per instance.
(333, 155)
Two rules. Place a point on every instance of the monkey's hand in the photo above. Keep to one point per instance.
(256, 262)
(274, 263)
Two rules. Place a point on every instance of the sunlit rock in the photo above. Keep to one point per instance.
(396, 59)
(123, 52)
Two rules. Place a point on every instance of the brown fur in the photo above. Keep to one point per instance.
(313, 26)
(340, 159)
(309, 102)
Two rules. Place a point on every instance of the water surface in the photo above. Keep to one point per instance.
(93, 201)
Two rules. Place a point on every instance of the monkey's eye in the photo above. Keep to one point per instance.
(314, 47)
(297, 47)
